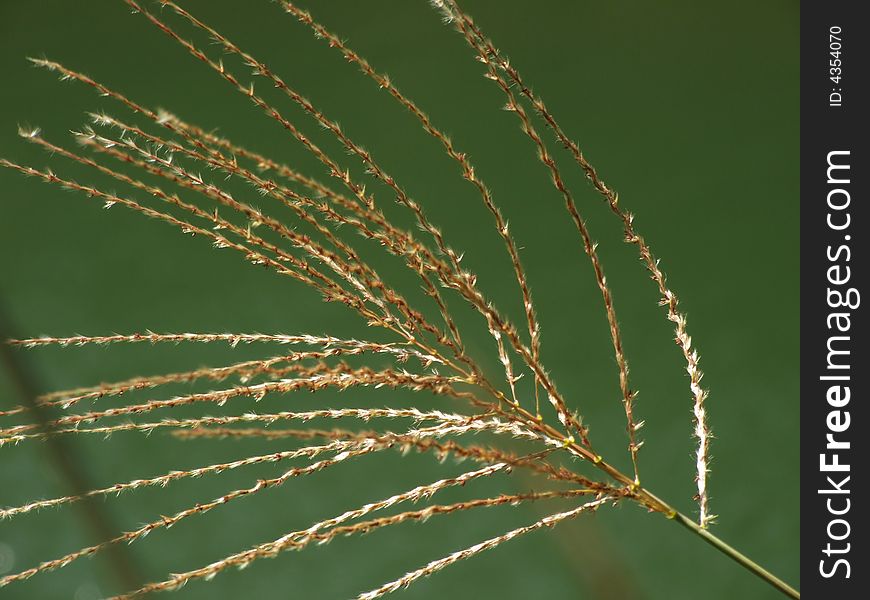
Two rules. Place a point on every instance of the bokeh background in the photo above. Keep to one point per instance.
(688, 109)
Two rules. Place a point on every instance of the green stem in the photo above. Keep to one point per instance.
(656, 504)
(736, 555)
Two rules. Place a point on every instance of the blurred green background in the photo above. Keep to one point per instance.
(688, 109)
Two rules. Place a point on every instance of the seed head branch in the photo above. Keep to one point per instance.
(338, 378)
(272, 549)
(372, 281)
(455, 557)
(463, 281)
(450, 8)
(245, 371)
(468, 171)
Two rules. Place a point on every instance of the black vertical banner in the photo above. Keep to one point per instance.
(835, 372)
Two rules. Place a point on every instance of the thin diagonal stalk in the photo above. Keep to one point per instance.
(430, 263)
(164, 480)
(391, 237)
(463, 282)
(442, 448)
(343, 440)
(267, 418)
(468, 171)
(668, 297)
(263, 163)
(165, 522)
(437, 565)
(165, 167)
(736, 555)
(339, 379)
(244, 370)
(262, 484)
(300, 539)
(589, 246)
(301, 270)
(233, 339)
(302, 242)
(260, 68)
(398, 241)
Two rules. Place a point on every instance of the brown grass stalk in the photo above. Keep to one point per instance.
(491, 56)
(589, 246)
(437, 565)
(165, 522)
(337, 378)
(298, 540)
(461, 158)
(344, 440)
(245, 371)
(462, 281)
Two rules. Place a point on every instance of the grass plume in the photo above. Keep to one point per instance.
(320, 235)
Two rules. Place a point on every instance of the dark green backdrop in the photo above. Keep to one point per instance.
(688, 109)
